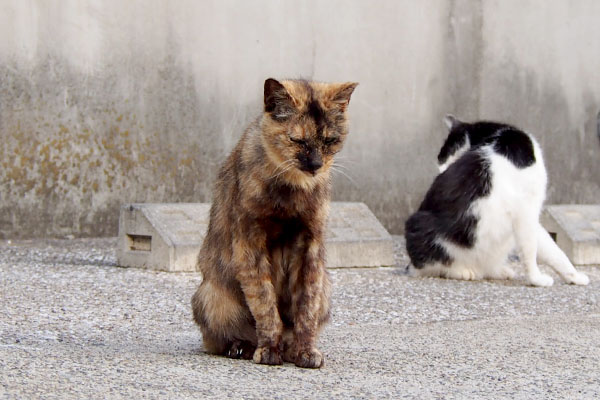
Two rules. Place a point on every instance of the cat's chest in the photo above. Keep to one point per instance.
(282, 231)
(288, 203)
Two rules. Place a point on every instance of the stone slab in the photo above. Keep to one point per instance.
(576, 229)
(168, 237)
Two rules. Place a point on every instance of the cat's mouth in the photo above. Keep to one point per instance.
(309, 171)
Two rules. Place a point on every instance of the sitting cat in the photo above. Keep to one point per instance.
(486, 199)
(265, 291)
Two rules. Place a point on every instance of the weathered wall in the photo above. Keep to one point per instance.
(105, 102)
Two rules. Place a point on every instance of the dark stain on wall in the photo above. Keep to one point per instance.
(74, 147)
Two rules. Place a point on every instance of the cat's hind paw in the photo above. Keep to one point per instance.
(240, 349)
(267, 355)
(577, 278)
(309, 359)
(465, 274)
(541, 280)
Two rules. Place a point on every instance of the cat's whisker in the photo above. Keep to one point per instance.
(284, 166)
(281, 168)
(341, 167)
(336, 164)
(333, 168)
(278, 175)
(345, 159)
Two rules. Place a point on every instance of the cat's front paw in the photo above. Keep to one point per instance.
(577, 278)
(541, 280)
(270, 355)
(309, 359)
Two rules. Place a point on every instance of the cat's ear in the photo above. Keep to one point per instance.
(451, 121)
(342, 93)
(278, 101)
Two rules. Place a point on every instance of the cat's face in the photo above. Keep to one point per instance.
(456, 143)
(304, 125)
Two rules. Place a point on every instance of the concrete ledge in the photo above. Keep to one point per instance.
(576, 229)
(168, 237)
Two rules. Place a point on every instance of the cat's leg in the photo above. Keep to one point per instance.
(526, 235)
(549, 253)
(310, 288)
(254, 276)
(223, 320)
(324, 314)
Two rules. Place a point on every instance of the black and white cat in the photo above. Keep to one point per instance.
(486, 200)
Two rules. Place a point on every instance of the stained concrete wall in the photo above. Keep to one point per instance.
(105, 102)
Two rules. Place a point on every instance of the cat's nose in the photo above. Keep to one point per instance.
(314, 165)
(311, 162)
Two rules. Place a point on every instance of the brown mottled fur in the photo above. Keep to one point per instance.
(265, 292)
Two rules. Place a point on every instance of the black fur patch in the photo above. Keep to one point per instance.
(484, 132)
(516, 146)
(316, 113)
(444, 213)
(507, 141)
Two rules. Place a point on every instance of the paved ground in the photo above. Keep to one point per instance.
(72, 325)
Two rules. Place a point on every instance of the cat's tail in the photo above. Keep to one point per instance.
(549, 253)
(422, 246)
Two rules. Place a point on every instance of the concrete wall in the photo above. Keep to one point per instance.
(105, 102)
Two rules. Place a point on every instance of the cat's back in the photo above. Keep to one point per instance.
(500, 160)
(453, 190)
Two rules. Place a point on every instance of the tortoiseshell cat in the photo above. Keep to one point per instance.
(265, 291)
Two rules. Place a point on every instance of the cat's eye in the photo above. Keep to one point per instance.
(331, 140)
(297, 140)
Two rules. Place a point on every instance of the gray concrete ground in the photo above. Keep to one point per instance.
(72, 325)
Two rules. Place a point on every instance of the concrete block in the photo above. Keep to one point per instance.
(355, 238)
(576, 229)
(168, 237)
